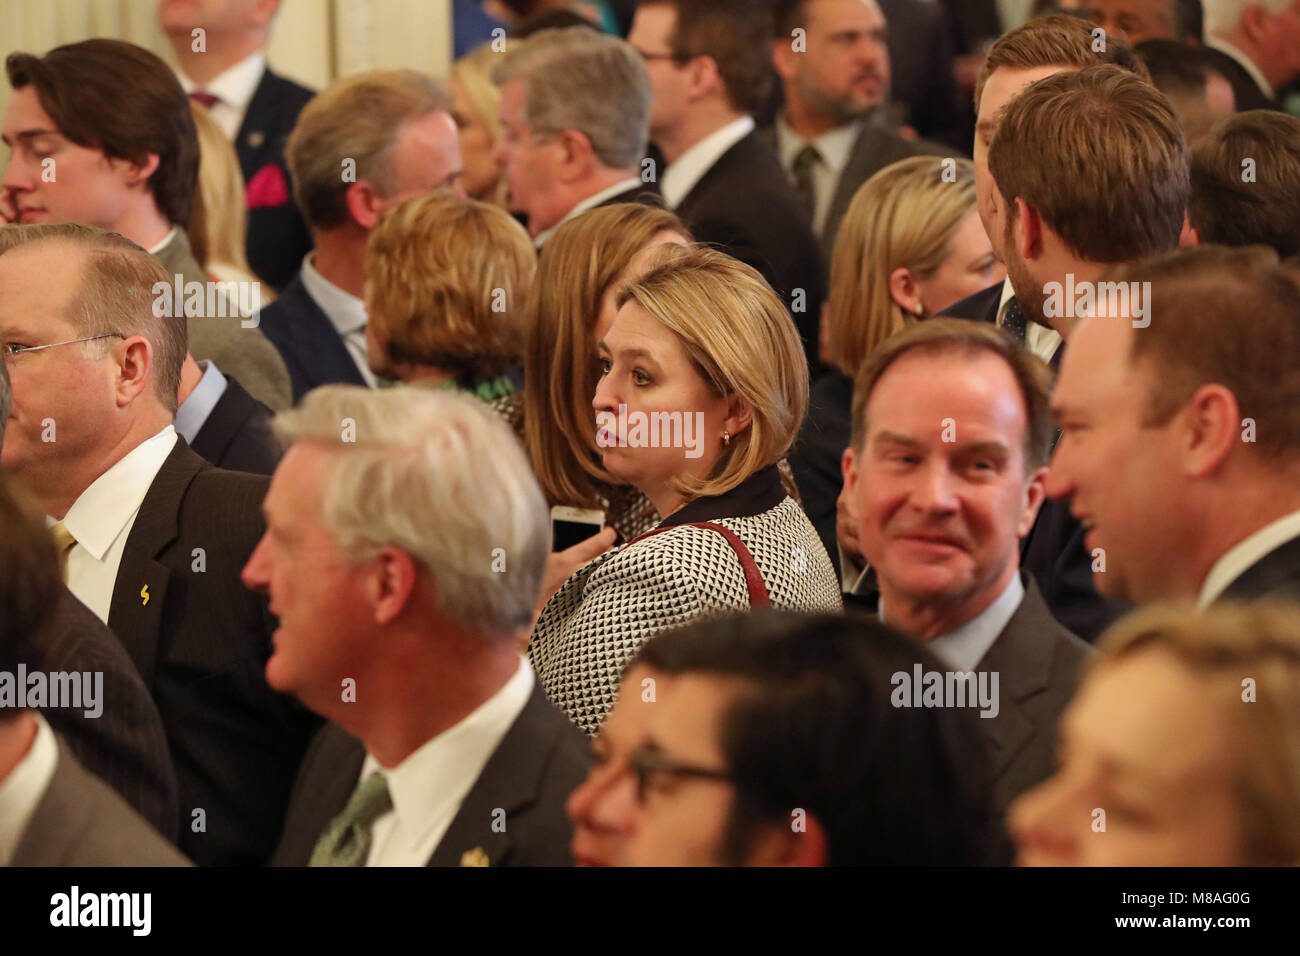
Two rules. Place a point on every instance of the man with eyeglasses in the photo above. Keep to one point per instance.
(778, 742)
(710, 72)
(150, 536)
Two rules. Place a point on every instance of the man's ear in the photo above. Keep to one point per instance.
(1027, 231)
(849, 469)
(137, 174)
(134, 356)
(577, 157)
(1035, 493)
(705, 76)
(365, 204)
(1211, 427)
(391, 585)
(784, 59)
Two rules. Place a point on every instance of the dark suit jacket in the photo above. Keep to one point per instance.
(815, 457)
(538, 763)
(81, 822)
(311, 347)
(745, 206)
(647, 194)
(983, 306)
(237, 433)
(278, 238)
(125, 745)
(200, 641)
(1276, 575)
(1038, 664)
(1244, 88)
(920, 68)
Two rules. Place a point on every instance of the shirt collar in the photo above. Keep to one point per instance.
(761, 491)
(682, 175)
(22, 791)
(235, 85)
(1245, 62)
(171, 234)
(433, 781)
(964, 648)
(1244, 555)
(591, 202)
(100, 512)
(835, 146)
(196, 408)
(346, 312)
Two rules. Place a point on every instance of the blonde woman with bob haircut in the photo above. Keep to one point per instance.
(476, 107)
(581, 269)
(911, 245)
(703, 387)
(447, 281)
(1186, 731)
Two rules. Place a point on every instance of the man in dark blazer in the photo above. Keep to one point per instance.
(153, 536)
(393, 129)
(1203, 414)
(1258, 58)
(52, 812)
(223, 423)
(124, 743)
(593, 93)
(829, 138)
(256, 108)
(720, 177)
(441, 747)
(944, 484)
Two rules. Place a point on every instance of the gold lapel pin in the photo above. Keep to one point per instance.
(475, 857)
(144, 596)
(256, 138)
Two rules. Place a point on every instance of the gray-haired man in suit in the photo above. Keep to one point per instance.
(405, 546)
(951, 431)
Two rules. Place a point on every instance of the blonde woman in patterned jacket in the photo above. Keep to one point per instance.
(703, 387)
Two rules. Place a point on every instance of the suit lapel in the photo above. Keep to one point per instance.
(480, 832)
(1269, 574)
(315, 342)
(58, 820)
(140, 590)
(856, 171)
(253, 141)
(1022, 658)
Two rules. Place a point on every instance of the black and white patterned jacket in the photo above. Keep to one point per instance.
(612, 605)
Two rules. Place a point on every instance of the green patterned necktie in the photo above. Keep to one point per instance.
(346, 841)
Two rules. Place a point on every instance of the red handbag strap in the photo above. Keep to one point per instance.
(758, 596)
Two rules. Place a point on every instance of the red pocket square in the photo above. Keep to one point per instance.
(266, 188)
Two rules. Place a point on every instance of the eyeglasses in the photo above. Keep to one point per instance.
(12, 349)
(647, 760)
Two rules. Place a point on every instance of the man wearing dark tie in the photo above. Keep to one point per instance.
(709, 71)
(1023, 56)
(153, 536)
(224, 68)
(404, 559)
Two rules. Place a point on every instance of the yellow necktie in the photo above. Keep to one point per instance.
(63, 541)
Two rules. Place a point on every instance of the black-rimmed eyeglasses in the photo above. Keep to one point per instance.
(648, 760)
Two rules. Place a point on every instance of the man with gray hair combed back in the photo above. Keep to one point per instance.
(405, 547)
(575, 105)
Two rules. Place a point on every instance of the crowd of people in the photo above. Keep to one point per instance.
(754, 432)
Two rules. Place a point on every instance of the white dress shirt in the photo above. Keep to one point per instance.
(198, 405)
(1246, 554)
(1039, 339)
(346, 313)
(22, 790)
(102, 517)
(165, 239)
(591, 202)
(689, 168)
(964, 648)
(234, 89)
(429, 786)
(1245, 62)
(834, 147)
